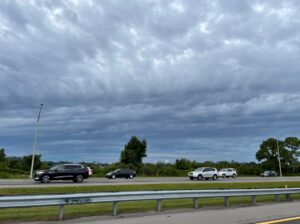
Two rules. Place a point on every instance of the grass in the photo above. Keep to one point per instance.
(13, 215)
(5, 175)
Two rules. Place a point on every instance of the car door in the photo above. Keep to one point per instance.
(125, 173)
(211, 172)
(119, 173)
(206, 172)
(59, 172)
(229, 172)
(69, 171)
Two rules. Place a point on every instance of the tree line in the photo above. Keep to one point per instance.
(135, 150)
(287, 151)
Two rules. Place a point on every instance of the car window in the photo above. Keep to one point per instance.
(60, 167)
(127, 171)
(54, 168)
(116, 171)
(122, 171)
(77, 166)
(205, 170)
(200, 169)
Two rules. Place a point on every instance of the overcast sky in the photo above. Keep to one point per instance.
(203, 80)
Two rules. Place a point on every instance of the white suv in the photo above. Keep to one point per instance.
(228, 172)
(204, 172)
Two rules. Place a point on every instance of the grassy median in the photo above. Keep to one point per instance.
(75, 211)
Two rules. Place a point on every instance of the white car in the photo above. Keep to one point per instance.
(228, 172)
(204, 172)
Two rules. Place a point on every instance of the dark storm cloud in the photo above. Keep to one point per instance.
(207, 80)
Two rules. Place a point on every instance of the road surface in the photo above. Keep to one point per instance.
(139, 180)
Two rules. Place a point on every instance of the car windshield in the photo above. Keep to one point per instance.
(199, 169)
(116, 170)
(54, 168)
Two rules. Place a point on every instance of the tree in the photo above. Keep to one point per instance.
(26, 162)
(293, 144)
(183, 164)
(2, 156)
(268, 154)
(134, 151)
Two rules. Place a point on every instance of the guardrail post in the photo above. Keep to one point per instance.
(226, 201)
(253, 199)
(61, 212)
(195, 202)
(277, 197)
(158, 205)
(287, 197)
(115, 208)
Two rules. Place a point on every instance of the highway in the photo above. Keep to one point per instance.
(4, 183)
(216, 215)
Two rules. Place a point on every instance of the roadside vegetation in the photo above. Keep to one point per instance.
(74, 211)
(135, 150)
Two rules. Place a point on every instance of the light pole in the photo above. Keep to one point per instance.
(35, 139)
(279, 163)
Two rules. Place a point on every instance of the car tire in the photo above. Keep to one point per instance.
(45, 179)
(191, 178)
(200, 177)
(113, 177)
(131, 177)
(78, 178)
(223, 176)
(233, 176)
(215, 177)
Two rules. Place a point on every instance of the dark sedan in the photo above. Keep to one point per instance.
(269, 173)
(121, 173)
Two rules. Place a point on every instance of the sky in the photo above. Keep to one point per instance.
(202, 80)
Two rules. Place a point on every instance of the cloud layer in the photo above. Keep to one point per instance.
(205, 80)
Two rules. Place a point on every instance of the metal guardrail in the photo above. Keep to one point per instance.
(115, 197)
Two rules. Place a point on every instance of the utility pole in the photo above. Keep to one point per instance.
(35, 140)
(279, 163)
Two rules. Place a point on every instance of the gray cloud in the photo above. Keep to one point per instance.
(204, 80)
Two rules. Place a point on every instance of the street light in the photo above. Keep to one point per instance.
(35, 139)
(279, 163)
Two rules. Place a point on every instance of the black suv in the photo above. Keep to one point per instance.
(125, 173)
(75, 172)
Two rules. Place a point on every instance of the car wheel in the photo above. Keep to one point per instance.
(191, 178)
(131, 176)
(215, 177)
(45, 179)
(79, 178)
(200, 177)
(223, 175)
(113, 177)
(233, 176)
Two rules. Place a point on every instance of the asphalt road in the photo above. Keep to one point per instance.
(139, 180)
(217, 215)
